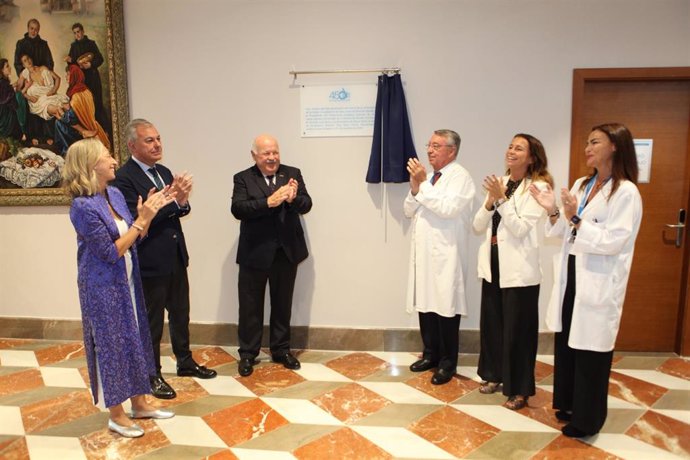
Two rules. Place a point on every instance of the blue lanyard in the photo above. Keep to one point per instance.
(588, 190)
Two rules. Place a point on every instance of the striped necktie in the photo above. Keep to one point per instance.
(156, 178)
(435, 177)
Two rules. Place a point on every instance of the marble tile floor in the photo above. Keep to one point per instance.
(340, 405)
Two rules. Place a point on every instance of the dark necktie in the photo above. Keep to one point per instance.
(435, 177)
(271, 183)
(156, 179)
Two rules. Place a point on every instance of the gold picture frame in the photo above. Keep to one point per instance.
(119, 104)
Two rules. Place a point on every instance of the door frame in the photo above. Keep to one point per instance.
(580, 78)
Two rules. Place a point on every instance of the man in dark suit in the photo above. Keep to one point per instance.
(91, 59)
(268, 198)
(163, 257)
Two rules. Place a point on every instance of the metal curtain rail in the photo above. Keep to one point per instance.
(387, 70)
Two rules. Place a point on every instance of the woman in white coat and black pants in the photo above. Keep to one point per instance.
(508, 263)
(599, 224)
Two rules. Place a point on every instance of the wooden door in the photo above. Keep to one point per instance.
(653, 104)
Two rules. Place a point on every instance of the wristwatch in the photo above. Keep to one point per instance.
(575, 220)
(556, 213)
(499, 202)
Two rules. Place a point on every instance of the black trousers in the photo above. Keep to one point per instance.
(169, 292)
(252, 288)
(581, 377)
(509, 333)
(440, 336)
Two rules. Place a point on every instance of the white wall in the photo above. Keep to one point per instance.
(211, 74)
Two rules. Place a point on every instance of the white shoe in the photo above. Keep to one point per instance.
(134, 431)
(158, 414)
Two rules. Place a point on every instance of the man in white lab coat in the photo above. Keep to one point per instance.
(440, 205)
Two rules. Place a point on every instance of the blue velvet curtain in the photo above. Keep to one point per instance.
(392, 144)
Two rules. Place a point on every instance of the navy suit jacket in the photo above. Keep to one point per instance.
(264, 229)
(165, 239)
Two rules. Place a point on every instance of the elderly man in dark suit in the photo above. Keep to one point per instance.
(163, 257)
(268, 198)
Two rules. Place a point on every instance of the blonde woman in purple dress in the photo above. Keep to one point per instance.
(116, 331)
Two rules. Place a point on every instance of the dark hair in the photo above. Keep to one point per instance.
(35, 21)
(537, 170)
(624, 160)
(77, 25)
(3, 61)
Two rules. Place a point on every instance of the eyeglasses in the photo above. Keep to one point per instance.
(436, 147)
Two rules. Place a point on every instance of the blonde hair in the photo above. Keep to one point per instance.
(78, 176)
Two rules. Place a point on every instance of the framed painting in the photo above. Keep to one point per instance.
(63, 78)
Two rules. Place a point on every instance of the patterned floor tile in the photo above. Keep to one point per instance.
(267, 379)
(351, 402)
(245, 421)
(49, 448)
(59, 353)
(453, 431)
(401, 443)
(456, 388)
(104, 444)
(189, 431)
(13, 447)
(18, 358)
(47, 413)
(663, 432)
(341, 444)
(564, 448)
(677, 367)
(633, 390)
(628, 447)
(400, 415)
(301, 411)
(513, 445)
(319, 372)
(504, 419)
(212, 356)
(62, 377)
(357, 365)
(11, 421)
(224, 386)
(359, 405)
(14, 343)
(20, 380)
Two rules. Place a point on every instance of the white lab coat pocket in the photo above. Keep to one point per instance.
(595, 287)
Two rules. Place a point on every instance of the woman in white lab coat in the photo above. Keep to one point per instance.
(599, 223)
(508, 263)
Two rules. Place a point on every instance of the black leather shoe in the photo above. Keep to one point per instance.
(192, 369)
(288, 361)
(442, 376)
(422, 365)
(160, 388)
(564, 416)
(572, 432)
(246, 367)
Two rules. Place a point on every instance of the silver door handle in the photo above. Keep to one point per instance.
(679, 227)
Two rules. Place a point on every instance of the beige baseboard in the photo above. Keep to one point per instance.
(303, 337)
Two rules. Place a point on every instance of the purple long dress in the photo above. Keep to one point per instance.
(123, 342)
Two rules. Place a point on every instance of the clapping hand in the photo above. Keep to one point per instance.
(155, 201)
(182, 187)
(495, 189)
(417, 174)
(545, 198)
(294, 185)
(569, 203)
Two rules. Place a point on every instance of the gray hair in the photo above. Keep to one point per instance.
(451, 137)
(131, 129)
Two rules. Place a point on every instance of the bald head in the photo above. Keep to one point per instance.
(266, 154)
